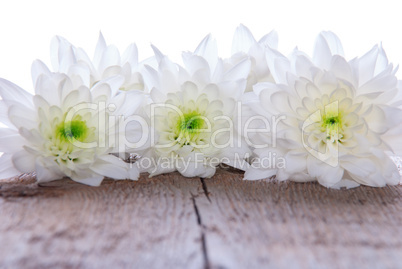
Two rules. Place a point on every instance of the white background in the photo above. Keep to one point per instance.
(27, 27)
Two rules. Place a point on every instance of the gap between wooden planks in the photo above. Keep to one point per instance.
(174, 222)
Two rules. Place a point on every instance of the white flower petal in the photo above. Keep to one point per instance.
(342, 69)
(256, 174)
(158, 54)
(295, 163)
(345, 183)
(58, 48)
(158, 169)
(131, 55)
(38, 68)
(68, 59)
(110, 57)
(10, 141)
(111, 71)
(243, 39)
(7, 169)
(195, 63)
(4, 114)
(21, 116)
(327, 45)
(46, 173)
(378, 84)
(110, 170)
(24, 161)
(101, 92)
(278, 66)
(133, 173)
(270, 39)
(371, 64)
(92, 181)
(100, 47)
(208, 50)
(11, 92)
(239, 71)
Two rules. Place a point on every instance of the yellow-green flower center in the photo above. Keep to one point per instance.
(191, 122)
(67, 136)
(72, 130)
(332, 125)
(189, 126)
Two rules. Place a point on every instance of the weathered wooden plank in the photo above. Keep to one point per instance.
(168, 221)
(150, 223)
(299, 225)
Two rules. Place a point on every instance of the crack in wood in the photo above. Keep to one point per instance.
(203, 240)
(205, 188)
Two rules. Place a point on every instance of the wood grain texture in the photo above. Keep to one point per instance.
(300, 225)
(150, 223)
(175, 222)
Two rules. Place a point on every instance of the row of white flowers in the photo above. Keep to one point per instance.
(321, 118)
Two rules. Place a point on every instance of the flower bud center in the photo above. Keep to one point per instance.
(189, 126)
(332, 125)
(76, 129)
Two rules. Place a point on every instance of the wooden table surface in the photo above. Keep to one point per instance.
(174, 222)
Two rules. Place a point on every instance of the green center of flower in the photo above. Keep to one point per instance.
(76, 129)
(72, 130)
(332, 125)
(189, 126)
(191, 122)
(68, 138)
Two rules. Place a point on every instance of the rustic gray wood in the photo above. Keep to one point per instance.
(300, 225)
(174, 222)
(148, 224)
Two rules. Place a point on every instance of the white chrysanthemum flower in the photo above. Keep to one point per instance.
(340, 120)
(192, 113)
(244, 46)
(63, 131)
(107, 62)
